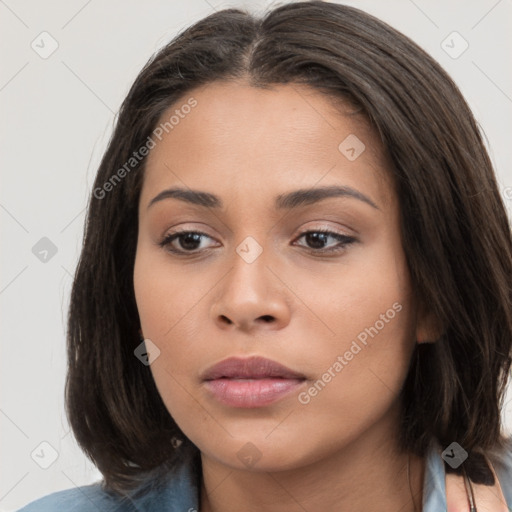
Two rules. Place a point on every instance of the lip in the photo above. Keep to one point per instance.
(250, 382)
(250, 368)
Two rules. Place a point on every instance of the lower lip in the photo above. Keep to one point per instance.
(251, 392)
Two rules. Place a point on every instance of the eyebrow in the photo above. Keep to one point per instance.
(297, 198)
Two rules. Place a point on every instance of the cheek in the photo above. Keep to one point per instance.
(362, 364)
(170, 304)
(359, 372)
(366, 365)
(165, 294)
(367, 297)
(163, 300)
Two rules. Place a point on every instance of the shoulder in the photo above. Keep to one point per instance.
(502, 463)
(79, 499)
(175, 491)
(434, 497)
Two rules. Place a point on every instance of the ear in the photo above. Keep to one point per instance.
(428, 326)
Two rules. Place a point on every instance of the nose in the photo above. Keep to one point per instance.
(251, 297)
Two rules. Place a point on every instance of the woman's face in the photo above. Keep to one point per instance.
(263, 280)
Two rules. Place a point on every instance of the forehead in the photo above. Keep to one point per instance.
(238, 139)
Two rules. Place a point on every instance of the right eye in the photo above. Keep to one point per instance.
(189, 242)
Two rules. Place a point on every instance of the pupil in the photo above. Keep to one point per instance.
(192, 238)
(316, 240)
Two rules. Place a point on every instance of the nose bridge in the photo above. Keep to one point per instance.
(250, 293)
(248, 279)
(252, 243)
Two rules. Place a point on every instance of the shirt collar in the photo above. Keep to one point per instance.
(183, 490)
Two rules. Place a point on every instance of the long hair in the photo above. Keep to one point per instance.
(455, 231)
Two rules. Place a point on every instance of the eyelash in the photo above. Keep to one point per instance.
(343, 241)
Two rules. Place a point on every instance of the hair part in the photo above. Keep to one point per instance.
(455, 231)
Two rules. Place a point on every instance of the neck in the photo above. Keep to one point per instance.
(355, 479)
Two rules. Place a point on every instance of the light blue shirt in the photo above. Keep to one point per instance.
(181, 492)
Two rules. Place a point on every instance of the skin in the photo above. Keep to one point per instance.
(296, 306)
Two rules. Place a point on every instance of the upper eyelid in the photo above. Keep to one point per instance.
(321, 229)
(321, 224)
(334, 220)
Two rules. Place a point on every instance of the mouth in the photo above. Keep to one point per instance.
(250, 382)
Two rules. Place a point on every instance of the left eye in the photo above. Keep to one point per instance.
(316, 240)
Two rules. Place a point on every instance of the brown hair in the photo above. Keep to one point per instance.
(455, 231)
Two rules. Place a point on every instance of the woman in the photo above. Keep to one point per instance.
(295, 286)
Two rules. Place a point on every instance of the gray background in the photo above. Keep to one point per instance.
(56, 117)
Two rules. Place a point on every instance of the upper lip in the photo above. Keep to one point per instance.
(249, 368)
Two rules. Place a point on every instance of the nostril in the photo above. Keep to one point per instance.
(226, 319)
(267, 318)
